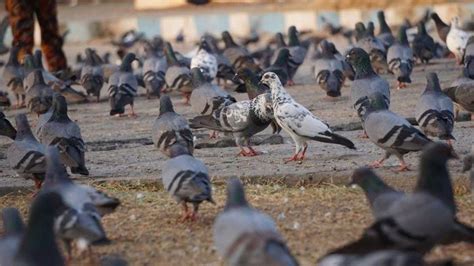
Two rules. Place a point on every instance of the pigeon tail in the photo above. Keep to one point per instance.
(460, 233)
(330, 137)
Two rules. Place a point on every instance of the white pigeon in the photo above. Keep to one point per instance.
(206, 61)
(298, 121)
(457, 40)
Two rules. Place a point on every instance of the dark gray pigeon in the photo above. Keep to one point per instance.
(390, 257)
(423, 45)
(420, 220)
(434, 111)
(385, 33)
(297, 54)
(390, 131)
(171, 128)
(39, 96)
(238, 56)
(461, 91)
(62, 132)
(400, 59)
(123, 87)
(243, 119)
(26, 156)
(13, 75)
(280, 66)
(328, 71)
(154, 69)
(6, 128)
(469, 58)
(245, 236)
(80, 221)
(187, 180)
(366, 81)
(92, 75)
(13, 228)
(38, 244)
(178, 76)
(206, 61)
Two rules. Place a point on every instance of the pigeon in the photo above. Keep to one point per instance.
(245, 236)
(382, 197)
(92, 75)
(178, 75)
(123, 87)
(390, 257)
(385, 33)
(238, 56)
(171, 128)
(6, 128)
(366, 81)
(243, 119)
(457, 40)
(434, 111)
(297, 121)
(62, 132)
(39, 96)
(372, 45)
(154, 70)
(280, 66)
(346, 67)
(469, 57)
(13, 228)
(328, 71)
(419, 220)
(390, 131)
(423, 45)
(297, 54)
(26, 155)
(441, 27)
(400, 59)
(205, 61)
(80, 221)
(187, 180)
(461, 91)
(13, 75)
(37, 245)
(207, 97)
(3, 30)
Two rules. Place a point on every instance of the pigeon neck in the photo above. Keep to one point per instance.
(197, 78)
(252, 86)
(29, 63)
(166, 106)
(293, 37)
(282, 59)
(126, 65)
(261, 110)
(433, 83)
(373, 186)
(39, 60)
(38, 77)
(363, 69)
(402, 36)
(13, 59)
(90, 60)
(12, 222)
(170, 55)
(228, 41)
(235, 197)
(60, 111)
(280, 42)
(384, 28)
(23, 128)
(422, 29)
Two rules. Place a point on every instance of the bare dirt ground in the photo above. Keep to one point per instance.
(313, 208)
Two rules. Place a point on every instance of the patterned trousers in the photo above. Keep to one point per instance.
(21, 16)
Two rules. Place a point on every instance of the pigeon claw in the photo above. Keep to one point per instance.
(290, 82)
(293, 158)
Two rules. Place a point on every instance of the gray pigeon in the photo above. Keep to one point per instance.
(206, 61)
(461, 91)
(187, 180)
(328, 71)
(171, 128)
(400, 59)
(382, 197)
(6, 128)
(80, 221)
(245, 236)
(123, 87)
(243, 119)
(154, 69)
(178, 75)
(92, 75)
(434, 111)
(390, 131)
(13, 75)
(366, 81)
(390, 257)
(297, 54)
(469, 57)
(26, 156)
(298, 121)
(39, 96)
(38, 244)
(423, 45)
(419, 220)
(385, 33)
(238, 56)
(13, 228)
(62, 132)
(372, 46)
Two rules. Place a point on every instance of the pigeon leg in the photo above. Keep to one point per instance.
(98, 98)
(292, 158)
(38, 183)
(213, 135)
(379, 163)
(290, 82)
(253, 151)
(403, 166)
(22, 103)
(68, 247)
(194, 214)
(187, 97)
(303, 152)
(185, 215)
(132, 112)
(363, 135)
(245, 153)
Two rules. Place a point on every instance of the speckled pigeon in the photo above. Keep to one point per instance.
(92, 75)
(123, 87)
(26, 156)
(246, 236)
(206, 61)
(6, 128)
(434, 110)
(171, 128)
(423, 45)
(390, 131)
(328, 71)
(62, 132)
(13, 75)
(297, 121)
(187, 180)
(400, 59)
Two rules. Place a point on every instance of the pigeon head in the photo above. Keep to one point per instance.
(370, 29)
(197, 77)
(38, 59)
(55, 170)
(235, 194)
(280, 41)
(228, 40)
(166, 106)
(376, 102)
(327, 48)
(359, 30)
(6, 128)
(204, 45)
(170, 55)
(12, 222)
(23, 127)
(270, 79)
(126, 65)
(293, 36)
(178, 149)
(432, 82)
(372, 185)
(402, 35)
(384, 28)
(360, 61)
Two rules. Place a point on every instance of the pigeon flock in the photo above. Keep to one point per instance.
(406, 225)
